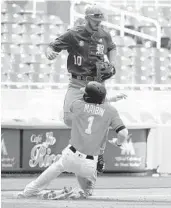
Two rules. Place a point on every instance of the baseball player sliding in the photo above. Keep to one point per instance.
(88, 46)
(92, 117)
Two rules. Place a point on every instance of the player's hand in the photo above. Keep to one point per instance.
(100, 164)
(114, 141)
(121, 96)
(50, 54)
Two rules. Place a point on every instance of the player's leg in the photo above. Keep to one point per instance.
(39, 184)
(65, 163)
(73, 93)
(87, 184)
(88, 175)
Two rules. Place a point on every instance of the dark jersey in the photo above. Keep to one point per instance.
(90, 125)
(84, 49)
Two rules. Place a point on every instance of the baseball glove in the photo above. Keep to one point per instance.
(105, 70)
(100, 164)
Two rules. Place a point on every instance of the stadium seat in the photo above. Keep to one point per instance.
(162, 52)
(15, 58)
(163, 22)
(148, 30)
(50, 29)
(29, 19)
(166, 12)
(6, 38)
(166, 31)
(10, 7)
(5, 58)
(28, 59)
(33, 76)
(30, 28)
(123, 61)
(29, 39)
(12, 77)
(128, 41)
(141, 62)
(10, 28)
(29, 49)
(45, 68)
(49, 19)
(42, 47)
(149, 11)
(43, 77)
(11, 18)
(10, 38)
(141, 51)
(124, 51)
(5, 67)
(54, 77)
(23, 68)
(4, 77)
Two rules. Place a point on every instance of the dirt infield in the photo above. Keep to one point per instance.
(110, 192)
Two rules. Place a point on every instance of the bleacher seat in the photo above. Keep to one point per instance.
(141, 61)
(29, 19)
(140, 51)
(149, 11)
(49, 19)
(149, 30)
(4, 77)
(30, 39)
(29, 49)
(166, 12)
(166, 31)
(30, 28)
(123, 51)
(10, 28)
(11, 18)
(123, 61)
(10, 7)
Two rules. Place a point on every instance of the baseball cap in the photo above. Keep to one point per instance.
(94, 12)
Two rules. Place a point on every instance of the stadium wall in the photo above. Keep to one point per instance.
(42, 109)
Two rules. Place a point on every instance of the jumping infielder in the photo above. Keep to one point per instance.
(92, 118)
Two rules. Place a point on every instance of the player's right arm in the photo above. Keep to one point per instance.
(119, 127)
(63, 42)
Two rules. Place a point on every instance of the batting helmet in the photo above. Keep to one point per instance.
(94, 92)
(94, 12)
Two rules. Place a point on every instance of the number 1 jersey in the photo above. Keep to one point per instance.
(90, 125)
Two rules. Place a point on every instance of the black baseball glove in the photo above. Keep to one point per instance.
(100, 164)
(105, 70)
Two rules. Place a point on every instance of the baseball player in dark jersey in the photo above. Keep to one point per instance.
(86, 45)
(92, 117)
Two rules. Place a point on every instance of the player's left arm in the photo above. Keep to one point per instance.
(111, 47)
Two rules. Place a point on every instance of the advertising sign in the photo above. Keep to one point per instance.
(41, 147)
(131, 157)
(10, 150)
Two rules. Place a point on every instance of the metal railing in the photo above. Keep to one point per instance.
(65, 85)
(121, 27)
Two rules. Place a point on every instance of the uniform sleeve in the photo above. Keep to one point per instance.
(116, 122)
(63, 42)
(110, 44)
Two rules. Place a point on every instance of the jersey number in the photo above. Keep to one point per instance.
(78, 60)
(90, 123)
